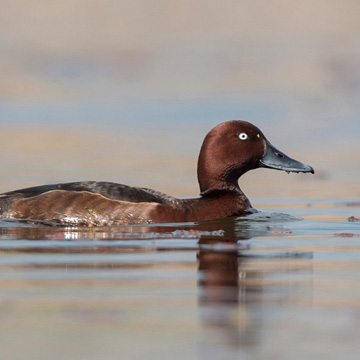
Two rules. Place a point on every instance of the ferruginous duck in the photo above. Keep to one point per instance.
(229, 150)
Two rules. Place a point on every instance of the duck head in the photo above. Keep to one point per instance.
(234, 147)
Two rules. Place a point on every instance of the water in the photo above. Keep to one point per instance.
(283, 283)
(125, 91)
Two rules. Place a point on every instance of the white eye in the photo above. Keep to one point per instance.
(243, 136)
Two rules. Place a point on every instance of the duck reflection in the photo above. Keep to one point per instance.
(219, 264)
(225, 293)
(234, 290)
(218, 277)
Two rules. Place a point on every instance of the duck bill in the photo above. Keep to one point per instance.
(275, 159)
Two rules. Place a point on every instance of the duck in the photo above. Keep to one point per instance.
(229, 150)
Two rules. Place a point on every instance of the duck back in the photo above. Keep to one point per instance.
(109, 190)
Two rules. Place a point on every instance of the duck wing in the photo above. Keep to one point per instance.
(108, 189)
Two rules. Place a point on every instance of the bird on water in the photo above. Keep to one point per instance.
(228, 151)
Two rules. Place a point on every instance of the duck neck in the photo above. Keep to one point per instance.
(216, 182)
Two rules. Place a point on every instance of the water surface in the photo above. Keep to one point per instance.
(283, 283)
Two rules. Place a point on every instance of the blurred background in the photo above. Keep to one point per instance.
(125, 91)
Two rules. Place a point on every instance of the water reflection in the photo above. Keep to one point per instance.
(34, 236)
(223, 299)
(226, 287)
(231, 284)
(234, 290)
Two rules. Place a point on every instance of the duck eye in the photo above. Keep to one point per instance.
(243, 136)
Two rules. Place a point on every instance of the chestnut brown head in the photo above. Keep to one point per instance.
(234, 147)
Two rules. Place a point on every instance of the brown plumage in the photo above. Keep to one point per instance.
(228, 151)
